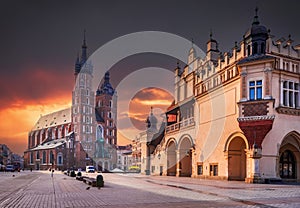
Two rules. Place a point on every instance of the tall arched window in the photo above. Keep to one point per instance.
(51, 156)
(60, 159)
(31, 157)
(248, 50)
(262, 48)
(254, 48)
(44, 157)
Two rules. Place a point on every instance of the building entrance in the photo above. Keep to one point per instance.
(237, 159)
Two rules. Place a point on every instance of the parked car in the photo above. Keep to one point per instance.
(90, 169)
(2, 167)
(10, 168)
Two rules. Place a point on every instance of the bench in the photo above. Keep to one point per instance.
(80, 178)
(89, 181)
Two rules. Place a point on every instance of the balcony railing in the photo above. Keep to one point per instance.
(181, 125)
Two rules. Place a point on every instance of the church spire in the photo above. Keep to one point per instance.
(83, 49)
(77, 65)
(255, 20)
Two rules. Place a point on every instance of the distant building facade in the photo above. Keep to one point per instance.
(236, 114)
(125, 159)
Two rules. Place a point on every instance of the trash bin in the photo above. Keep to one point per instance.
(79, 174)
(99, 181)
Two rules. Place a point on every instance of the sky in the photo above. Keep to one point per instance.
(41, 39)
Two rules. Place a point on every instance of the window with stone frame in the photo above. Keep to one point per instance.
(255, 90)
(213, 168)
(290, 94)
(200, 169)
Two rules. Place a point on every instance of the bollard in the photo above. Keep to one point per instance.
(99, 181)
(72, 173)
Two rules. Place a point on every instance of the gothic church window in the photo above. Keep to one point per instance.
(31, 157)
(44, 157)
(59, 159)
(51, 156)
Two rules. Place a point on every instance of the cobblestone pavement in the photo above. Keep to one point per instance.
(38, 189)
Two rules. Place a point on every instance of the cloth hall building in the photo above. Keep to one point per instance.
(236, 115)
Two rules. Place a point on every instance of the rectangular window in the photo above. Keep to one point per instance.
(213, 169)
(285, 97)
(290, 94)
(152, 169)
(296, 99)
(258, 89)
(199, 169)
(252, 90)
(255, 90)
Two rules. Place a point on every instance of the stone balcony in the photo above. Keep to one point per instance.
(256, 119)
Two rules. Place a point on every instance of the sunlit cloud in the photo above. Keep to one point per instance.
(19, 118)
(153, 102)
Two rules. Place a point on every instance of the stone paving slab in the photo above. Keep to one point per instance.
(38, 189)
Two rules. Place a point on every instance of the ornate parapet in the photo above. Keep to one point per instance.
(288, 111)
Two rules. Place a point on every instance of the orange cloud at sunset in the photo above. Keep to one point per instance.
(17, 120)
(28, 94)
(142, 102)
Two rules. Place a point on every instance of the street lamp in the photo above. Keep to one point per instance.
(159, 156)
(255, 148)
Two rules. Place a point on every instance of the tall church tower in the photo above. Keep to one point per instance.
(106, 118)
(83, 105)
(106, 110)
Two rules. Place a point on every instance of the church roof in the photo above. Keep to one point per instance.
(50, 144)
(53, 119)
(256, 57)
(256, 29)
(106, 87)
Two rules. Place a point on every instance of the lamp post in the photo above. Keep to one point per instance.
(256, 155)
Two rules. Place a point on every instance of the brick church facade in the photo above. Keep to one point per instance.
(69, 138)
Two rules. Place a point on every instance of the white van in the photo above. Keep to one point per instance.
(90, 169)
(10, 168)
